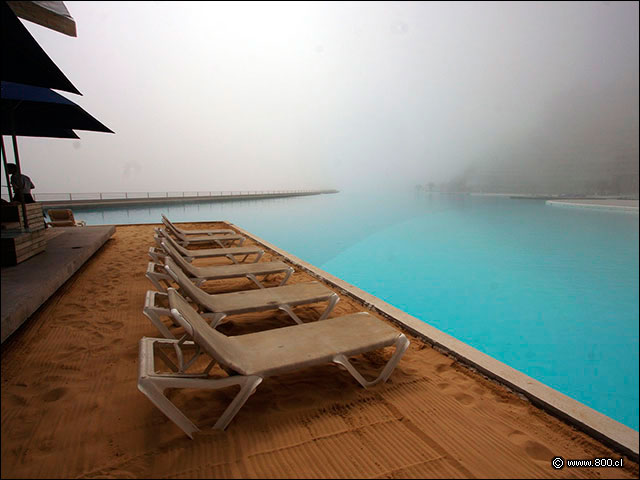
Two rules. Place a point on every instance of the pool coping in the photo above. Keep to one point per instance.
(601, 427)
(595, 206)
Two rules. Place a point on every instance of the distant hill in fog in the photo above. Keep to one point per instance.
(586, 143)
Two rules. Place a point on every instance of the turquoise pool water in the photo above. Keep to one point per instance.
(552, 292)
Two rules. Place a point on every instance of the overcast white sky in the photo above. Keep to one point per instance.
(233, 96)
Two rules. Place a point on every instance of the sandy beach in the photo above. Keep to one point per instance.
(71, 406)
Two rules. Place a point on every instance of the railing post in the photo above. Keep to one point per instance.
(125, 195)
(70, 197)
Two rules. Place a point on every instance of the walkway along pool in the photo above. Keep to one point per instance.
(552, 292)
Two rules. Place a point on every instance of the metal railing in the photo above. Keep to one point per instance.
(54, 197)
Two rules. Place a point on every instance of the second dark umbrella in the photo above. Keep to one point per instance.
(30, 110)
(28, 107)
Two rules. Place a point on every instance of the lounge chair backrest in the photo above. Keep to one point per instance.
(161, 232)
(61, 217)
(179, 259)
(177, 246)
(216, 344)
(167, 222)
(195, 293)
(173, 228)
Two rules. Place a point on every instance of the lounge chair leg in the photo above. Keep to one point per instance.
(287, 308)
(153, 387)
(216, 318)
(258, 256)
(156, 395)
(332, 303)
(248, 386)
(253, 278)
(233, 259)
(286, 277)
(402, 343)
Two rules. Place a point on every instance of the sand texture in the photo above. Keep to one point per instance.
(71, 407)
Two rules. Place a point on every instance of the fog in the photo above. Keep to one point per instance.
(533, 97)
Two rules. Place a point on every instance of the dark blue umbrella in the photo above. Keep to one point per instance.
(28, 107)
(35, 111)
(23, 60)
(47, 132)
(24, 107)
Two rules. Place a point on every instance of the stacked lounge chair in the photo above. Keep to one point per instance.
(247, 359)
(158, 276)
(63, 218)
(252, 358)
(181, 231)
(190, 255)
(222, 238)
(219, 306)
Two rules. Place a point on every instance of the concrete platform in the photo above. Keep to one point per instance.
(29, 284)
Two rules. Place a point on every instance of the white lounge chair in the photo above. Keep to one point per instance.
(157, 275)
(223, 241)
(63, 218)
(251, 358)
(172, 227)
(190, 255)
(158, 254)
(217, 307)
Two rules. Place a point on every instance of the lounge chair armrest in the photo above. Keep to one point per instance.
(156, 277)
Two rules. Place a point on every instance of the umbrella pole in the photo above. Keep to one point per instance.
(6, 173)
(17, 158)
